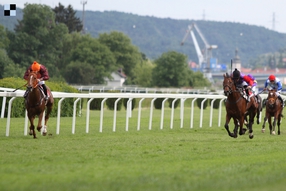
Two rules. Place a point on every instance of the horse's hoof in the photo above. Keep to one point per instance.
(262, 130)
(273, 133)
(251, 136)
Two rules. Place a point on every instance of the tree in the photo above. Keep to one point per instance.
(143, 75)
(171, 70)
(91, 52)
(79, 73)
(37, 37)
(196, 79)
(67, 16)
(4, 41)
(126, 54)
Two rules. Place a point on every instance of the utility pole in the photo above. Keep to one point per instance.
(273, 22)
(83, 27)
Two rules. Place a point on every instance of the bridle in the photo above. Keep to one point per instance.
(272, 100)
(32, 81)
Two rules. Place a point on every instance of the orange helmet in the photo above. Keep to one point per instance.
(271, 77)
(36, 66)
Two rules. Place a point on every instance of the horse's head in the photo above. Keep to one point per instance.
(272, 97)
(32, 81)
(228, 84)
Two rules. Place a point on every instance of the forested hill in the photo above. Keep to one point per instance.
(154, 35)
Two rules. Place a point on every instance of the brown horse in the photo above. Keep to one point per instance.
(273, 109)
(236, 108)
(259, 110)
(36, 104)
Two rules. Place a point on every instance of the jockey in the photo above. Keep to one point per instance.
(42, 74)
(274, 83)
(245, 82)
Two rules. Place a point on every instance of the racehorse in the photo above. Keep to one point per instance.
(36, 104)
(236, 107)
(273, 109)
(259, 110)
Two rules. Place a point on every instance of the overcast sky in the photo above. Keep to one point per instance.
(267, 13)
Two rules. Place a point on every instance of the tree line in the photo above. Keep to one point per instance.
(53, 37)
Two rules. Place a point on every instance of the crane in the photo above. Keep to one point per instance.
(207, 54)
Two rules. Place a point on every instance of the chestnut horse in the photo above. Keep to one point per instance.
(36, 104)
(236, 108)
(273, 109)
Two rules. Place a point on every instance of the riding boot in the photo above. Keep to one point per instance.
(282, 102)
(258, 101)
(45, 91)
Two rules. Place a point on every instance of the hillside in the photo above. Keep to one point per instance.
(154, 35)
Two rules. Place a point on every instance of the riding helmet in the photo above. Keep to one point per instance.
(271, 77)
(35, 66)
(236, 73)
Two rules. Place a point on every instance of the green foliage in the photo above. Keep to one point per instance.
(133, 102)
(4, 41)
(216, 104)
(95, 104)
(96, 60)
(158, 103)
(127, 56)
(110, 102)
(37, 37)
(196, 79)
(143, 73)
(170, 100)
(68, 17)
(199, 103)
(18, 106)
(171, 70)
(155, 36)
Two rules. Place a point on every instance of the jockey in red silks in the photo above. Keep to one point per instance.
(42, 75)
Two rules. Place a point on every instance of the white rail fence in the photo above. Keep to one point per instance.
(90, 96)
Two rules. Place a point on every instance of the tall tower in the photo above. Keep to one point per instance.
(236, 61)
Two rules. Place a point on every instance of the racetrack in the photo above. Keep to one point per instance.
(170, 159)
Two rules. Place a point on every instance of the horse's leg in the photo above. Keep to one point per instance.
(236, 123)
(258, 114)
(47, 116)
(278, 123)
(227, 127)
(251, 122)
(270, 124)
(39, 127)
(263, 126)
(241, 130)
(32, 127)
(274, 124)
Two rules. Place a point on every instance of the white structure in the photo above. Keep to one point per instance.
(142, 96)
(118, 78)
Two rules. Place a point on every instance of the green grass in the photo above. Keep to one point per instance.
(170, 159)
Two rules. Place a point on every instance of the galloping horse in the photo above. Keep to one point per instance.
(273, 109)
(36, 104)
(236, 107)
(259, 109)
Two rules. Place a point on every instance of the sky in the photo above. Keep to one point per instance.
(270, 14)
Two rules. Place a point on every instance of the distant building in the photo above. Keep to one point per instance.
(236, 63)
(118, 79)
